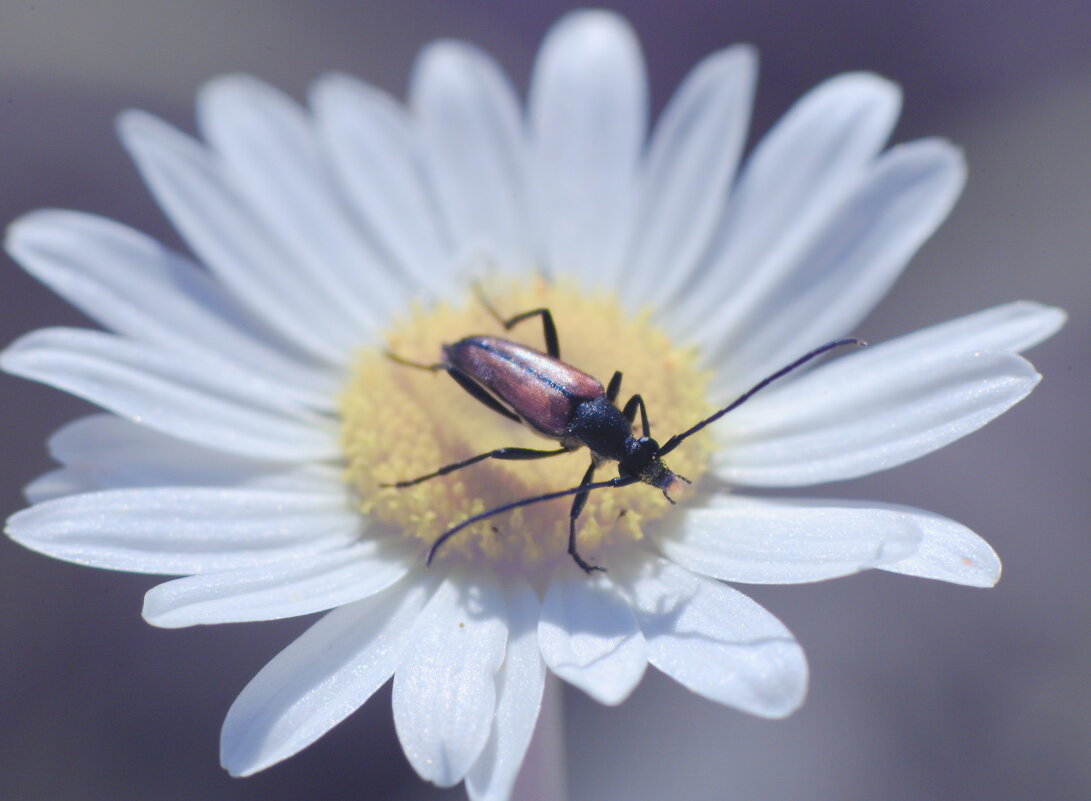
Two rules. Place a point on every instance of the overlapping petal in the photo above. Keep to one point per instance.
(791, 186)
(715, 641)
(474, 148)
(519, 686)
(445, 686)
(224, 232)
(588, 109)
(183, 530)
(786, 541)
(131, 284)
(370, 144)
(589, 636)
(287, 588)
(220, 409)
(869, 411)
(117, 453)
(320, 679)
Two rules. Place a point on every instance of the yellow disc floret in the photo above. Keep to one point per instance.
(400, 423)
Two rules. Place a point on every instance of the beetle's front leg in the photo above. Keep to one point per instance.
(577, 506)
(629, 411)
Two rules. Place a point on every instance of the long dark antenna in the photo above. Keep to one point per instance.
(676, 440)
(620, 481)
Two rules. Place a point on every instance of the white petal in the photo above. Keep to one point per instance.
(690, 164)
(853, 417)
(520, 683)
(170, 392)
(445, 686)
(716, 641)
(270, 155)
(1010, 327)
(185, 530)
(224, 233)
(793, 183)
(845, 270)
(371, 144)
(589, 637)
(131, 284)
(281, 589)
(115, 453)
(948, 552)
(588, 114)
(786, 541)
(472, 138)
(59, 483)
(319, 680)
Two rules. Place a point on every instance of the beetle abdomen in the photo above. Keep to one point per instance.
(541, 390)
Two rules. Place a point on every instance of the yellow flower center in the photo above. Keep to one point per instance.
(400, 423)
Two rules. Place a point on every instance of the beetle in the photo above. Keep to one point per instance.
(563, 403)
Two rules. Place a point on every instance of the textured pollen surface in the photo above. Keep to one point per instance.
(400, 423)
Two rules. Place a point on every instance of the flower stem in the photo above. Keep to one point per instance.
(543, 775)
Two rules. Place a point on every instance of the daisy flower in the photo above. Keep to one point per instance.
(252, 412)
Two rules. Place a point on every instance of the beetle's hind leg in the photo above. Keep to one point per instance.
(499, 453)
(431, 368)
(549, 328)
(577, 506)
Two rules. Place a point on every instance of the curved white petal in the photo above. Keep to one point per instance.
(112, 452)
(372, 147)
(445, 686)
(320, 679)
(269, 152)
(846, 268)
(177, 531)
(948, 552)
(589, 637)
(715, 641)
(588, 112)
(175, 394)
(473, 144)
(786, 541)
(217, 224)
(520, 683)
(791, 185)
(289, 588)
(131, 284)
(61, 482)
(851, 418)
(691, 161)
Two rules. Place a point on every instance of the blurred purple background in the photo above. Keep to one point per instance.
(919, 690)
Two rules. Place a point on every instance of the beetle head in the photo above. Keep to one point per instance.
(642, 460)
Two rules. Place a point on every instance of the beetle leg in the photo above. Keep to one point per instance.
(614, 387)
(432, 368)
(549, 328)
(499, 453)
(577, 506)
(630, 412)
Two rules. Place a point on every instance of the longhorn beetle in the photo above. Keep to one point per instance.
(564, 403)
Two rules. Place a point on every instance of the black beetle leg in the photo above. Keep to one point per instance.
(549, 328)
(630, 412)
(432, 368)
(614, 387)
(577, 507)
(499, 453)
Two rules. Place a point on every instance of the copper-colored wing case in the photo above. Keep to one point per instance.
(541, 390)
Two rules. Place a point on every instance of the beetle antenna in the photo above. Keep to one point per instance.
(620, 481)
(676, 440)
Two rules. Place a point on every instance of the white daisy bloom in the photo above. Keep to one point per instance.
(253, 412)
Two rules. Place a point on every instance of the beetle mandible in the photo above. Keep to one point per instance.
(561, 402)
